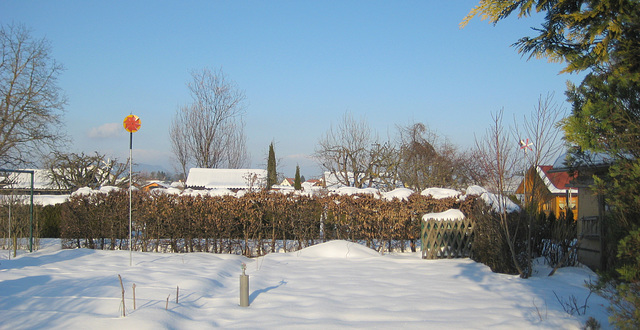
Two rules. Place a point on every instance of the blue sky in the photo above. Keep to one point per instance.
(302, 65)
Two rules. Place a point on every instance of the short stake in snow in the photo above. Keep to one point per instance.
(244, 287)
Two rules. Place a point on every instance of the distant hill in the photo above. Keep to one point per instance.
(150, 168)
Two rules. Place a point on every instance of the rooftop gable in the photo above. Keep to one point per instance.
(556, 182)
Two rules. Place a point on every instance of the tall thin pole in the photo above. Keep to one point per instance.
(31, 216)
(130, 179)
(131, 123)
(10, 240)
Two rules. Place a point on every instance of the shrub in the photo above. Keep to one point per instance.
(625, 303)
(49, 221)
(490, 245)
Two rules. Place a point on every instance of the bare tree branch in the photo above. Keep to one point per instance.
(31, 104)
(210, 131)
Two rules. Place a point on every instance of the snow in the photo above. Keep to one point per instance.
(475, 190)
(41, 179)
(337, 284)
(37, 199)
(497, 202)
(88, 191)
(354, 191)
(399, 193)
(493, 200)
(338, 249)
(451, 214)
(225, 178)
(441, 193)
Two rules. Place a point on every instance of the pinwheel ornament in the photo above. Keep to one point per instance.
(525, 144)
(131, 123)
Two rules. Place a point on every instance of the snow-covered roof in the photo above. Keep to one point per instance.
(555, 181)
(41, 179)
(331, 180)
(217, 178)
(585, 159)
(37, 199)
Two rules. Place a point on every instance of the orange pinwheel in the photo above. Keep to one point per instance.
(131, 123)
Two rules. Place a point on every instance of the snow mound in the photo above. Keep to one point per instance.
(476, 190)
(399, 193)
(172, 191)
(338, 249)
(451, 214)
(82, 191)
(221, 192)
(108, 189)
(440, 193)
(497, 202)
(350, 191)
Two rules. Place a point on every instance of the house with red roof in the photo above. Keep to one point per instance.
(550, 189)
(288, 182)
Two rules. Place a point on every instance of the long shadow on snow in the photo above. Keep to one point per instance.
(554, 292)
(53, 300)
(256, 293)
(30, 260)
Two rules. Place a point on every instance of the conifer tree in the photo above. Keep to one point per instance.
(297, 184)
(602, 38)
(272, 175)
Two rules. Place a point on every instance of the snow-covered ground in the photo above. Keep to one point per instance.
(332, 285)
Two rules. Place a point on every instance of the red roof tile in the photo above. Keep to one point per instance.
(559, 179)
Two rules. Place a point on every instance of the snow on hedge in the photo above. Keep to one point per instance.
(440, 193)
(399, 193)
(451, 214)
(493, 200)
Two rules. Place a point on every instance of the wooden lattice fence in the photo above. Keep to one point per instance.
(446, 238)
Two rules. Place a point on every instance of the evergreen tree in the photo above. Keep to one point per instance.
(272, 175)
(602, 37)
(297, 184)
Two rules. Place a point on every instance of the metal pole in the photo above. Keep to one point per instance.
(31, 216)
(130, 179)
(31, 206)
(10, 240)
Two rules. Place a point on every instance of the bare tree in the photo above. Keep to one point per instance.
(31, 104)
(429, 161)
(210, 131)
(417, 154)
(345, 151)
(179, 143)
(385, 170)
(541, 128)
(497, 153)
(542, 125)
(72, 171)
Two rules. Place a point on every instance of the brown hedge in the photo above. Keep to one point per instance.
(255, 224)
